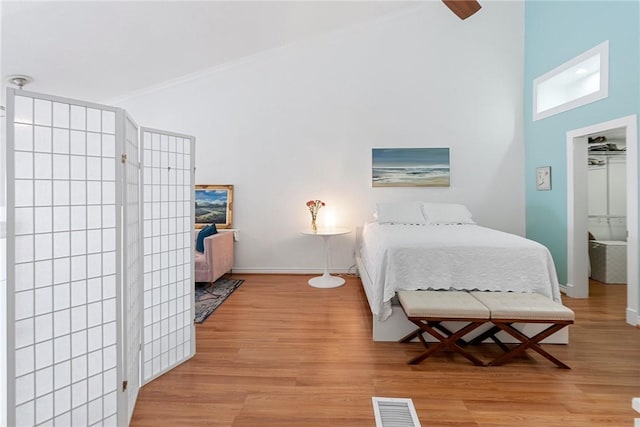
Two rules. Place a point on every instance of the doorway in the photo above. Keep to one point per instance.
(577, 208)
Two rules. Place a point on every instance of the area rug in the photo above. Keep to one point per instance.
(209, 297)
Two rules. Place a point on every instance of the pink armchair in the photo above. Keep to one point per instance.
(217, 258)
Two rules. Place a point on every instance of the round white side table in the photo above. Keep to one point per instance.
(326, 280)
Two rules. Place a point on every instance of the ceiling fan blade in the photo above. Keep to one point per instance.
(463, 8)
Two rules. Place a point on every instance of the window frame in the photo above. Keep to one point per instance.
(603, 50)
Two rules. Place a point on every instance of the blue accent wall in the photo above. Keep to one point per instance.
(556, 32)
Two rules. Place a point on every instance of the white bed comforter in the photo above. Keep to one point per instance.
(464, 257)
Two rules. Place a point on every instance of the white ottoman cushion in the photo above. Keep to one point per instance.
(442, 305)
(523, 306)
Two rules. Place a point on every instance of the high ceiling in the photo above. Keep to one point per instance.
(103, 50)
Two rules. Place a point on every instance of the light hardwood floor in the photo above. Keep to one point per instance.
(280, 353)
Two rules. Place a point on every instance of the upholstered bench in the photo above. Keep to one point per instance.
(508, 308)
(428, 309)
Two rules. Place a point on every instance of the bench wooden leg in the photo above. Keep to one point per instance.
(490, 334)
(411, 335)
(419, 333)
(447, 340)
(528, 343)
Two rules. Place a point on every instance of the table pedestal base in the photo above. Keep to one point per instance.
(326, 281)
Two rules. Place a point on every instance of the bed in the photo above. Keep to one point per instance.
(438, 246)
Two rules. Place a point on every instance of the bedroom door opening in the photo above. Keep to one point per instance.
(577, 210)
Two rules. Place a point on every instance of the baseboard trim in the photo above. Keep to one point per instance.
(289, 271)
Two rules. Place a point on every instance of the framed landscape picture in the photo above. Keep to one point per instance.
(214, 205)
(410, 167)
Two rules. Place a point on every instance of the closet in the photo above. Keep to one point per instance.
(99, 259)
(607, 207)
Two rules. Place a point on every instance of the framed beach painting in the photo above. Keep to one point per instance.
(410, 167)
(214, 205)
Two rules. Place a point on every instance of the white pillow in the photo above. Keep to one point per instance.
(446, 213)
(400, 213)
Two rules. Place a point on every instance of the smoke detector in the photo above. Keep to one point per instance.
(19, 80)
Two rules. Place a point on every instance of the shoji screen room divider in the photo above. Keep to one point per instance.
(99, 295)
(168, 194)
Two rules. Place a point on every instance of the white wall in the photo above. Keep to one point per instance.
(298, 123)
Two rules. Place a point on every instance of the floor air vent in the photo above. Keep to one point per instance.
(394, 412)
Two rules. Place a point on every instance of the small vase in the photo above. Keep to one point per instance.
(314, 225)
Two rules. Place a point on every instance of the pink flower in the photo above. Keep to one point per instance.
(314, 206)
